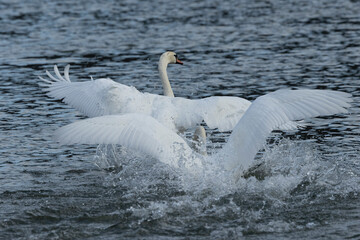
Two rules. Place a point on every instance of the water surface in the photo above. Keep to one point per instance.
(237, 48)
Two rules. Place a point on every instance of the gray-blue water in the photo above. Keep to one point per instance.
(239, 48)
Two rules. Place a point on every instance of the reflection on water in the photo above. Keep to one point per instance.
(310, 185)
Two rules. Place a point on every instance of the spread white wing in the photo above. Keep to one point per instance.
(145, 134)
(93, 98)
(268, 112)
(105, 97)
(135, 131)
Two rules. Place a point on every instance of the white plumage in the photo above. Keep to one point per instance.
(272, 110)
(136, 131)
(105, 97)
(148, 135)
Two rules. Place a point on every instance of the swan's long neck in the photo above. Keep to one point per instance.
(164, 78)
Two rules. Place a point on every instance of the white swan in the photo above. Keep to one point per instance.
(105, 97)
(165, 59)
(199, 139)
(144, 133)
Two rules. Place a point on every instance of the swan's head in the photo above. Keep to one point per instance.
(170, 57)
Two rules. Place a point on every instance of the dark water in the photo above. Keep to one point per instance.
(239, 48)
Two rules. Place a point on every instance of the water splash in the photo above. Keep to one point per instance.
(285, 169)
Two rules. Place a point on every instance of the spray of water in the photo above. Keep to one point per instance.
(286, 175)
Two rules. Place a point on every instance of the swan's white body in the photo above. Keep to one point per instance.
(144, 133)
(105, 97)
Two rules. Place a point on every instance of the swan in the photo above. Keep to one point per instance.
(106, 97)
(146, 134)
(199, 138)
(167, 58)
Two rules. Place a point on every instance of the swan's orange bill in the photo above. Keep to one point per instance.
(179, 62)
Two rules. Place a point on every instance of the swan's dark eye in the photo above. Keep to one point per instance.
(175, 56)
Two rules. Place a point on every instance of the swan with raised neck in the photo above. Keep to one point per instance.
(165, 59)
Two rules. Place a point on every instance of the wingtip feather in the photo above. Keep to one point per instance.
(66, 72)
(51, 76)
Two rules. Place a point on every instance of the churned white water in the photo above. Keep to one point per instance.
(305, 184)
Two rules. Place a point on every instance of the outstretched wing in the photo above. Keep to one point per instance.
(222, 113)
(268, 112)
(93, 98)
(105, 97)
(135, 131)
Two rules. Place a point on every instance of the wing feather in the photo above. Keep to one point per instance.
(52, 77)
(105, 97)
(66, 73)
(270, 111)
(136, 131)
(56, 70)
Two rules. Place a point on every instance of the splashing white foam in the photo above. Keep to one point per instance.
(287, 167)
(289, 175)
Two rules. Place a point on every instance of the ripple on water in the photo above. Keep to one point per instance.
(307, 186)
